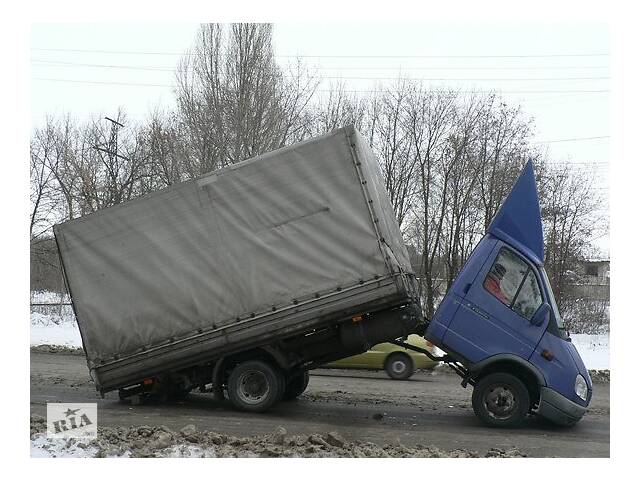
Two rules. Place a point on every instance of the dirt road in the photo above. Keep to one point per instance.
(363, 406)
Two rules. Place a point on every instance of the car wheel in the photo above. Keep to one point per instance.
(296, 385)
(399, 366)
(500, 400)
(254, 386)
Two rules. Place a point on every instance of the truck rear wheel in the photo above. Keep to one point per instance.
(399, 366)
(296, 385)
(500, 400)
(254, 386)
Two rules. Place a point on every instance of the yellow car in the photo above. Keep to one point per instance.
(399, 362)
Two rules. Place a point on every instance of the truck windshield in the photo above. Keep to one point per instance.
(552, 300)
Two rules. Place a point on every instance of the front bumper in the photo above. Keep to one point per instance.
(559, 409)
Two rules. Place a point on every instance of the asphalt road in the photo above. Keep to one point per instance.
(428, 409)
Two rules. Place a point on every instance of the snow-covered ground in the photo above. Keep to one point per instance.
(594, 350)
(57, 326)
(38, 296)
(43, 447)
(53, 324)
(46, 331)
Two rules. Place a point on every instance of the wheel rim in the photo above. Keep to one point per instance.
(500, 401)
(253, 387)
(398, 367)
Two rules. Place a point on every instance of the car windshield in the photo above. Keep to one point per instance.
(552, 300)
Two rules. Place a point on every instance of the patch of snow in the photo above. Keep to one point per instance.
(188, 451)
(43, 447)
(46, 332)
(594, 350)
(53, 324)
(44, 296)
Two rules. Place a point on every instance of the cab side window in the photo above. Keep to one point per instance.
(513, 282)
(505, 276)
(529, 298)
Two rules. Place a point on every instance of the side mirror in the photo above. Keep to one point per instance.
(541, 314)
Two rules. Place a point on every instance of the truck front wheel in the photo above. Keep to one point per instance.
(254, 386)
(500, 400)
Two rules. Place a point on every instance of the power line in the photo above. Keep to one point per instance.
(463, 79)
(125, 67)
(339, 77)
(563, 67)
(91, 82)
(433, 79)
(54, 63)
(451, 56)
(130, 52)
(573, 139)
(569, 162)
(487, 91)
(554, 99)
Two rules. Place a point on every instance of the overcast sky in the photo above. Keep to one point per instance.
(558, 73)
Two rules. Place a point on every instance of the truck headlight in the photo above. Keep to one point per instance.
(581, 387)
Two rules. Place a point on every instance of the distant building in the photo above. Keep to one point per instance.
(594, 272)
(592, 280)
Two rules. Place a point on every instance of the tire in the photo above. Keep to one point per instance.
(296, 385)
(254, 386)
(399, 366)
(282, 383)
(501, 400)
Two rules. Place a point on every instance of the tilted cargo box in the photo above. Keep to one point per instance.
(271, 247)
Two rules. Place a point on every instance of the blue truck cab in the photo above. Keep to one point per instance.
(500, 326)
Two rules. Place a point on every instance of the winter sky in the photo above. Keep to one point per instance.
(558, 73)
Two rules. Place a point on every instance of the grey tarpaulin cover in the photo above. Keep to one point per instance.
(241, 240)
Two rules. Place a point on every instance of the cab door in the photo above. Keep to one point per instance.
(501, 296)
(495, 314)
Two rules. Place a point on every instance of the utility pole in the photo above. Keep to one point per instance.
(115, 126)
(112, 164)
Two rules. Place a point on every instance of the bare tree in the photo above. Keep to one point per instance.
(462, 216)
(503, 150)
(447, 160)
(430, 117)
(570, 209)
(337, 108)
(234, 100)
(164, 146)
(42, 201)
(389, 136)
